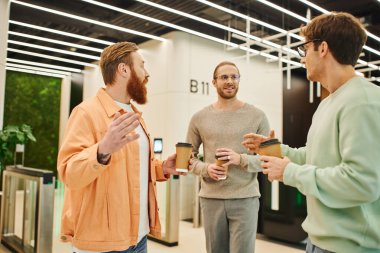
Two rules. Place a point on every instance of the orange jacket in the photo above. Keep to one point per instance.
(102, 202)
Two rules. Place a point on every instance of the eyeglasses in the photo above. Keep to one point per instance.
(301, 48)
(234, 78)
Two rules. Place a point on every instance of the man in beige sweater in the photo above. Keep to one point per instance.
(229, 206)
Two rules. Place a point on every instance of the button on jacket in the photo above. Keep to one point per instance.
(101, 202)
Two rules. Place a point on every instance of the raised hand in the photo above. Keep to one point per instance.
(252, 141)
(119, 133)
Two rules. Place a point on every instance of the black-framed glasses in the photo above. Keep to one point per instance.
(302, 49)
(234, 77)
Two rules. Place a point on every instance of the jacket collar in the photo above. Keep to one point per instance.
(109, 104)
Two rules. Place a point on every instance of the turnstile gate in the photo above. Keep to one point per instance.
(27, 210)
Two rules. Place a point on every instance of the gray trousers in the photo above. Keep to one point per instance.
(230, 224)
(311, 248)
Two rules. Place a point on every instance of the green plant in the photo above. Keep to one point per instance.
(9, 137)
(42, 97)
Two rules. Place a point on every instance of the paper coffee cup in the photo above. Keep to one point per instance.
(221, 163)
(183, 151)
(270, 147)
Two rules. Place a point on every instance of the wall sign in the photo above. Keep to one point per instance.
(199, 87)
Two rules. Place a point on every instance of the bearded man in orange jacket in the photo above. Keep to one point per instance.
(107, 165)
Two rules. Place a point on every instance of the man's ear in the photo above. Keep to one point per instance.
(324, 48)
(123, 69)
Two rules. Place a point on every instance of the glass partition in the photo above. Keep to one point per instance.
(28, 195)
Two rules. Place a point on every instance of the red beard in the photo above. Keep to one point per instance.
(137, 88)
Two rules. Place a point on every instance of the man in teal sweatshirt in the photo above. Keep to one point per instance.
(339, 168)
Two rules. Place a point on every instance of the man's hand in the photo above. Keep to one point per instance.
(119, 133)
(169, 166)
(228, 154)
(216, 172)
(252, 141)
(274, 167)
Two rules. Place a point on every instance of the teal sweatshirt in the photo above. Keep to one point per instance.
(339, 170)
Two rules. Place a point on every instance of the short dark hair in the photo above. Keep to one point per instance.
(344, 34)
(112, 56)
(223, 63)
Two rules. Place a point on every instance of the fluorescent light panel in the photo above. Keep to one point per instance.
(103, 42)
(52, 57)
(373, 66)
(44, 65)
(226, 28)
(34, 72)
(373, 36)
(163, 23)
(176, 27)
(290, 13)
(371, 50)
(37, 69)
(238, 14)
(51, 49)
(88, 20)
(374, 78)
(307, 20)
(60, 42)
(314, 6)
(359, 73)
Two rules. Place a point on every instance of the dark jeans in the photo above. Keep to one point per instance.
(311, 248)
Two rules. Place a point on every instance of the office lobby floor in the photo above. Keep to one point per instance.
(191, 240)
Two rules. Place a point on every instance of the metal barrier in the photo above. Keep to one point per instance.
(27, 210)
(171, 222)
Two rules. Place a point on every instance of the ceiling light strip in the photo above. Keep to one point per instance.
(81, 37)
(374, 78)
(35, 72)
(280, 35)
(314, 6)
(259, 22)
(52, 57)
(371, 50)
(44, 65)
(359, 73)
(205, 21)
(178, 28)
(88, 20)
(269, 56)
(93, 49)
(290, 13)
(269, 47)
(37, 69)
(164, 23)
(326, 11)
(51, 49)
(365, 70)
(371, 65)
(291, 62)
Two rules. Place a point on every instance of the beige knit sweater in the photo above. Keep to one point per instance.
(220, 129)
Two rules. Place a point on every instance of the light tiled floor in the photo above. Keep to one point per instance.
(191, 240)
